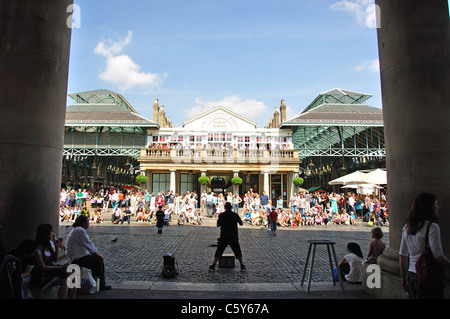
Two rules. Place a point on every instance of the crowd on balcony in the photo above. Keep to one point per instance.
(163, 149)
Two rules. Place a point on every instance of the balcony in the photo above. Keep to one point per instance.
(225, 156)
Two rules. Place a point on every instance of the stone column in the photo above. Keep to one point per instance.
(172, 180)
(266, 183)
(235, 187)
(34, 65)
(202, 187)
(414, 51)
(149, 181)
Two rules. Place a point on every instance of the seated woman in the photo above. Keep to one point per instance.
(319, 219)
(282, 221)
(198, 219)
(63, 214)
(97, 216)
(152, 217)
(376, 246)
(181, 217)
(345, 217)
(255, 218)
(147, 215)
(354, 261)
(297, 218)
(190, 215)
(46, 273)
(337, 219)
(140, 214)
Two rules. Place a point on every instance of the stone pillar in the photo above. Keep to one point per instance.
(235, 187)
(34, 65)
(149, 184)
(266, 183)
(294, 187)
(202, 186)
(172, 180)
(414, 51)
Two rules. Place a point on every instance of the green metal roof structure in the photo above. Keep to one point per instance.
(104, 123)
(338, 124)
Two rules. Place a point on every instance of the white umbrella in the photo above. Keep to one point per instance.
(378, 177)
(352, 178)
(350, 186)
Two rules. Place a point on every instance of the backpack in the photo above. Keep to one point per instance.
(169, 269)
(430, 275)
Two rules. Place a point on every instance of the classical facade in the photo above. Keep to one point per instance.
(107, 143)
(219, 144)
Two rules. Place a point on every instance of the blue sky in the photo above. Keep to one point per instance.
(244, 55)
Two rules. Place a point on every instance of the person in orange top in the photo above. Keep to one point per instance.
(121, 199)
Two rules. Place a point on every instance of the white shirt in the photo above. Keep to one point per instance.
(414, 245)
(355, 262)
(78, 244)
(351, 201)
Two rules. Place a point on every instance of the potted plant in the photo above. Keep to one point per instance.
(203, 180)
(298, 181)
(236, 181)
(141, 179)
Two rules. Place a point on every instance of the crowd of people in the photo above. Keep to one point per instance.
(39, 262)
(319, 208)
(304, 208)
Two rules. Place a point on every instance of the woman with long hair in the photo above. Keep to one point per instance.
(423, 213)
(353, 259)
(46, 272)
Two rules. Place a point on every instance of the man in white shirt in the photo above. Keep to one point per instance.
(83, 252)
(203, 201)
(351, 203)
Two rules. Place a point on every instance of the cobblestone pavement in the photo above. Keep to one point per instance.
(135, 259)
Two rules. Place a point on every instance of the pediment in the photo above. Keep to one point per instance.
(219, 119)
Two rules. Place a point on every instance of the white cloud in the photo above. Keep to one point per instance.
(121, 70)
(369, 65)
(363, 10)
(248, 108)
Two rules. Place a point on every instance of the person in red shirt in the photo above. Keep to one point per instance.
(159, 200)
(273, 220)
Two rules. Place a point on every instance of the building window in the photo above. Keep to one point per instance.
(160, 183)
(188, 182)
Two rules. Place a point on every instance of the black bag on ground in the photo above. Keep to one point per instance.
(169, 269)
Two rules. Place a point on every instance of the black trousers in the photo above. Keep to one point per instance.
(95, 263)
(234, 245)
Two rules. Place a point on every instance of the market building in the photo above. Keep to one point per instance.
(107, 144)
(337, 134)
(103, 138)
